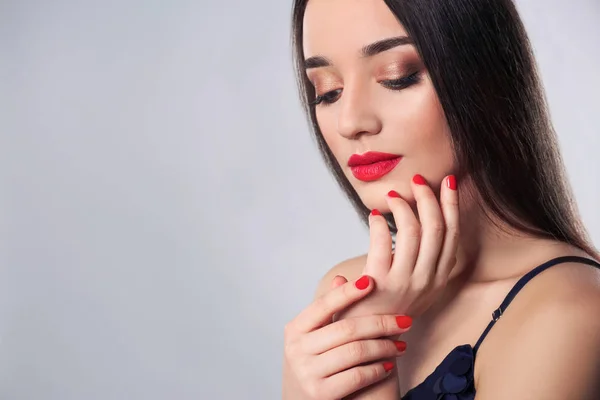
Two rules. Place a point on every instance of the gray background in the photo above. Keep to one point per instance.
(164, 211)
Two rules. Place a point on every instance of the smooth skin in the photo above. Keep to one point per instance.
(409, 280)
(546, 345)
(325, 360)
(322, 360)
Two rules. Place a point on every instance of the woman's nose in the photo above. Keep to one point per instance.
(356, 115)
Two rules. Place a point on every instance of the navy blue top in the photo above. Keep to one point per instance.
(453, 379)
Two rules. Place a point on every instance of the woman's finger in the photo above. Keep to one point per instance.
(337, 281)
(432, 232)
(323, 308)
(408, 238)
(450, 212)
(352, 329)
(352, 380)
(357, 353)
(379, 257)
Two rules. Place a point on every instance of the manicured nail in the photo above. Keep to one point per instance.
(419, 180)
(388, 366)
(400, 345)
(362, 283)
(451, 181)
(393, 193)
(375, 212)
(404, 321)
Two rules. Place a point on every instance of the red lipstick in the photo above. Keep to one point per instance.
(372, 165)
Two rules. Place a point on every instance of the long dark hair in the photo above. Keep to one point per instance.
(480, 61)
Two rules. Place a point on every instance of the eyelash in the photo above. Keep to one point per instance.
(392, 84)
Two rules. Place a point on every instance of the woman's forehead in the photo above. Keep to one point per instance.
(346, 25)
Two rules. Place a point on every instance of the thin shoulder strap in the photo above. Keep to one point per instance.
(522, 282)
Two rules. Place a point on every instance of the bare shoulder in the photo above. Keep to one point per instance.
(568, 283)
(550, 333)
(349, 269)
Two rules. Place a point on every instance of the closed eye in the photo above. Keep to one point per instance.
(392, 84)
(402, 83)
(327, 98)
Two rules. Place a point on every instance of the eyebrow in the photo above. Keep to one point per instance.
(367, 51)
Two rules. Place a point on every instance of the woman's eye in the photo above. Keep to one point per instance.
(392, 84)
(402, 83)
(327, 98)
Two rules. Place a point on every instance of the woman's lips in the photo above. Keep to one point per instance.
(372, 165)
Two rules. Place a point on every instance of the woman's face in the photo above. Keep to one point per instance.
(379, 99)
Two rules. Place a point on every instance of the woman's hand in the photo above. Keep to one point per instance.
(409, 280)
(330, 360)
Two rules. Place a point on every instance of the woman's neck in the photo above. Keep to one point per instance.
(492, 251)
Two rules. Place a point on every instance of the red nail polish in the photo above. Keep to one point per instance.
(400, 345)
(393, 193)
(404, 321)
(419, 180)
(451, 181)
(388, 366)
(362, 283)
(375, 212)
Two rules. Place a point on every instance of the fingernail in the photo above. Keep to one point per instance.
(419, 180)
(451, 181)
(362, 283)
(400, 345)
(375, 212)
(388, 366)
(393, 193)
(404, 321)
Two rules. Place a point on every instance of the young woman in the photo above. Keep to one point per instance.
(479, 276)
